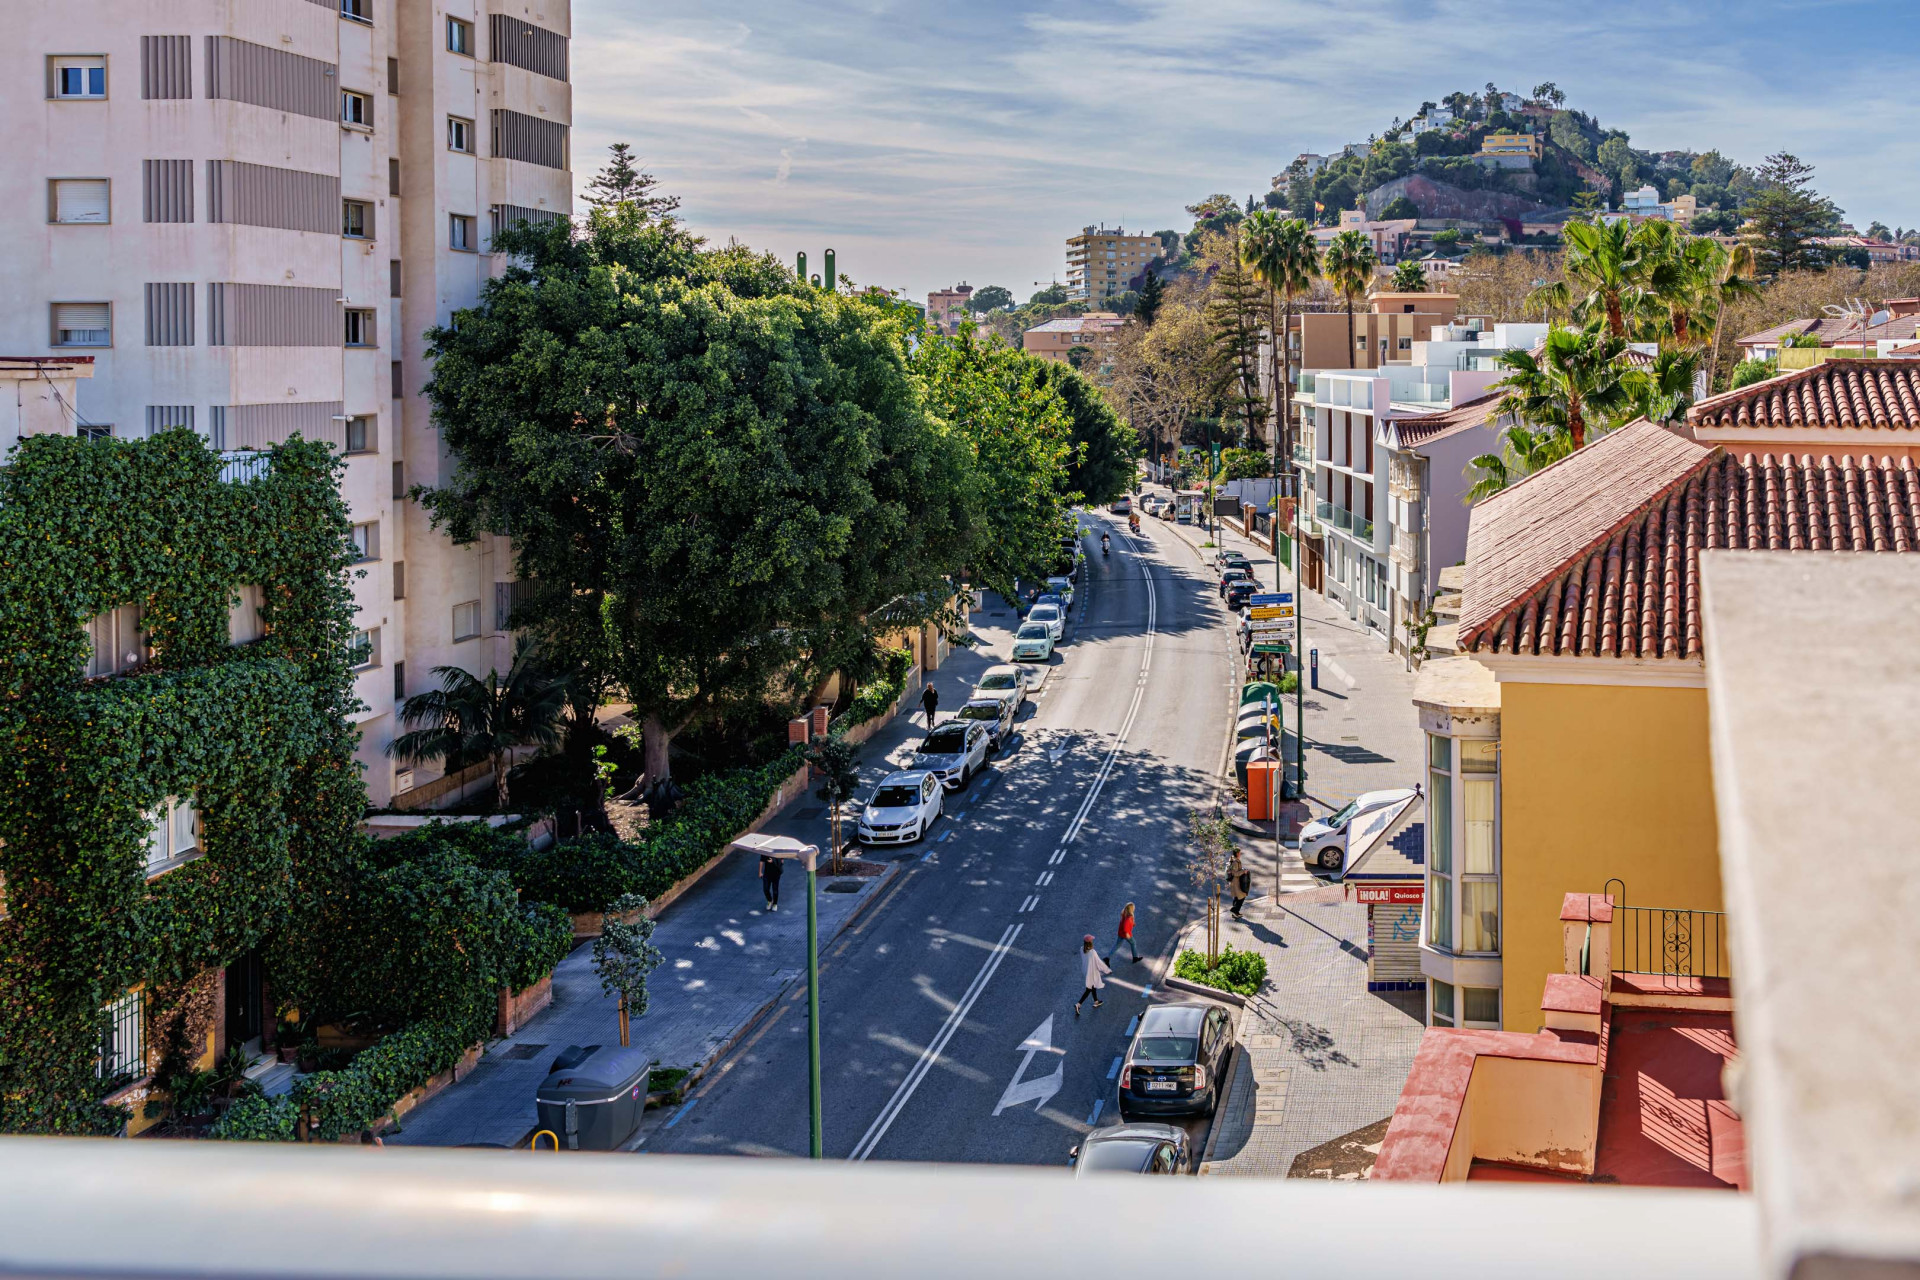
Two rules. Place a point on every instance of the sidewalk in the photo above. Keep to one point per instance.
(1323, 1056)
(727, 959)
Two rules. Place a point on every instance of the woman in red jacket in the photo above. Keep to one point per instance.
(1124, 933)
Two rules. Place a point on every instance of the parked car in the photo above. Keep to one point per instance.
(954, 752)
(1323, 842)
(1052, 615)
(1033, 642)
(1225, 557)
(1121, 505)
(995, 713)
(1003, 683)
(1062, 587)
(901, 809)
(1133, 1148)
(1239, 592)
(1173, 1065)
(1233, 574)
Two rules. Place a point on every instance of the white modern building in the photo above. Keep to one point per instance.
(247, 213)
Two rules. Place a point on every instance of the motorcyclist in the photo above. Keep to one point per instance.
(1103, 544)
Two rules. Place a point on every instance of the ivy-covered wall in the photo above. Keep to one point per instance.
(256, 733)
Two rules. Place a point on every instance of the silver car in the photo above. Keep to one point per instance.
(1003, 683)
(953, 752)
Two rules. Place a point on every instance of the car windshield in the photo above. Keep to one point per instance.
(896, 797)
(1000, 680)
(944, 742)
(1032, 631)
(1163, 1049)
(980, 711)
(1044, 612)
(1343, 817)
(1118, 1156)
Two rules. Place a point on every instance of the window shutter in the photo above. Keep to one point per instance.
(80, 200)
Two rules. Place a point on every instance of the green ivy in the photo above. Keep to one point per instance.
(258, 734)
(876, 696)
(337, 1104)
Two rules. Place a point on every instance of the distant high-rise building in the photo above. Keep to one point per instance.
(1102, 263)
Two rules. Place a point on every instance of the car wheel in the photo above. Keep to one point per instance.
(1330, 858)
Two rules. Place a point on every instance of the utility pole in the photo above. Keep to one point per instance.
(832, 280)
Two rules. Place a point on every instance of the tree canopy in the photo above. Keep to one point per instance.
(1100, 467)
(991, 297)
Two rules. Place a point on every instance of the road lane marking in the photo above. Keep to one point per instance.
(1131, 1024)
(931, 1055)
(1093, 1117)
(1059, 856)
(1033, 900)
(1020, 1092)
(1114, 1071)
(681, 1112)
(1046, 878)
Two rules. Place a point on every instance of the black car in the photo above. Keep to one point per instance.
(1133, 1148)
(1231, 575)
(1239, 593)
(1173, 1065)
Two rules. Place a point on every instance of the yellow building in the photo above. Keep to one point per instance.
(1582, 602)
(1511, 144)
(1102, 263)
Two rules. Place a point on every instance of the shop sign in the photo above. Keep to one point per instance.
(1395, 894)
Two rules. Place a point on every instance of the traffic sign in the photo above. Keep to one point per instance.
(1283, 612)
(1271, 598)
(1264, 625)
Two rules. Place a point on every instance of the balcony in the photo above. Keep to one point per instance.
(1363, 529)
(1673, 942)
(1339, 517)
(1303, 453)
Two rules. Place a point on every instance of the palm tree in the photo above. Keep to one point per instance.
(1283, 255)
(1608, 265)
(1409, 278)
(469, 719)
(1664, 391)
(1577, 383)
(1522, 452)
(1348, 266)
(1734, 277)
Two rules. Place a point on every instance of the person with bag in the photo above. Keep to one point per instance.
(1096, 971)
(1240, 882)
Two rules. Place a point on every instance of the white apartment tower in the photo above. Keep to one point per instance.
(248, 212)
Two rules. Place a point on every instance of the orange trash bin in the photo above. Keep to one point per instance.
(1263, 780)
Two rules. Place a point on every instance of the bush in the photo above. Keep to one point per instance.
(876, 696)
(339, 1103)
(1240, 972)
(545, 936)
(1748, 372)
(584, 873)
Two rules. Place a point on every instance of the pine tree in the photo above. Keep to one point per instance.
(1786, 217)
(1236, 315)
(623, 183)
(1147, 305)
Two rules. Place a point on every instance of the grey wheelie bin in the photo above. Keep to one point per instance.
(592, 1098)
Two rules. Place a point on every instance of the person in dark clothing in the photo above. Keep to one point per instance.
(770, 869)
(1240, 882)
(930, 703)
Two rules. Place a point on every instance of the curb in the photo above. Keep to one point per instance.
(1211, 993)
(1225, 1102)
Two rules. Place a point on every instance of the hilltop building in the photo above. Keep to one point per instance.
(1098, 331)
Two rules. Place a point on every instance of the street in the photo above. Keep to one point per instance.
(948, 1028)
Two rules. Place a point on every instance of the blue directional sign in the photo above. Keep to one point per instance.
(1271, 598)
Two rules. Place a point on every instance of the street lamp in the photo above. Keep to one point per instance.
(808, 855)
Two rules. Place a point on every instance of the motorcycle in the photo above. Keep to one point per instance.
(1103, 544)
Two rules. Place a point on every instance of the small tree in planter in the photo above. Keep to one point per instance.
(624, 955)
(839, 766)
(1211, 838)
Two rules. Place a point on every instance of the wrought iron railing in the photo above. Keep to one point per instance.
(1670, 940)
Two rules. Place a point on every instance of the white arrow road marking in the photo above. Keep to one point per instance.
(888, 1113)
(1038, 1090)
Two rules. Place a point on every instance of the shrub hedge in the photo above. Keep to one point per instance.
(1240, 972)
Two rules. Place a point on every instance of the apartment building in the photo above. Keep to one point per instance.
(947, 308)
(1098, 331)
(1388, 237)
(248, 212)
(1103, 263)
(1384, 332)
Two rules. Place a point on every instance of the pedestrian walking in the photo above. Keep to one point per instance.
(1124, 933)
(770, 869)
(930, 703)
(1096, 975)
(1240, 880)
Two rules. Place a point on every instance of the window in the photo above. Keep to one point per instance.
(77, 200)
(355, 218)
(366, 541)
(399, 481)
(393, 280)
(1440, 842)
(356, 109)
(399, 579)
(394, 374)
(466, 621)
(359, 328)
(123, 1050)
(460, 232)
(1480, 1005)
(360, 435)
(393, 180)
(94, 431)
(459, 37)
(245, 623)
(118, 639)
(1440, 995)
(393, 78)
(1463, 893)
(358, 10)
(76, 77)
(1406, 344)
(459, 135)
(363, 649)
(82, 324)
(399, 682)
(173, 835)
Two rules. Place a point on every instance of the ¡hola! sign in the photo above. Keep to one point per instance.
(1394, 894)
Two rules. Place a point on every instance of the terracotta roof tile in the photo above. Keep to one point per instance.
(1632, 589)
(1413, 431)
(1884, 394)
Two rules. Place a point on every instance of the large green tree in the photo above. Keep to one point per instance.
(1100, 467)
(1785, 220)
(1237, 317)
(1283, 255)
(1348, 267)
(1579, 383)
(739, 468)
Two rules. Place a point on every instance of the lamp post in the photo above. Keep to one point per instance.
(808, 856)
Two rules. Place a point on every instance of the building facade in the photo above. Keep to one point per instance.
(249, 214)
(947, 308)
(1103, 263)
(1098, 331)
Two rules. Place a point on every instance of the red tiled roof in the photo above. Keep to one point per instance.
(1839, 393)
(1468, 414)
(1521, 538)
(1836, 330)
(1633, 591)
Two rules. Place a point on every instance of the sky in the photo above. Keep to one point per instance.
(932, 142)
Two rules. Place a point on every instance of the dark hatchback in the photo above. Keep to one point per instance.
(1173, 1065)
(1239, 593)
(1133, 1148)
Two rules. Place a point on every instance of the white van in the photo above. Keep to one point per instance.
(1326, 842)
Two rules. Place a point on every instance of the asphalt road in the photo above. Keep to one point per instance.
(948, 1030)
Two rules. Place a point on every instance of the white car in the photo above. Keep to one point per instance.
(1063, 588)
(902, 809)
(1053, 615)
(1033, 642)
(954, 752)
(1323, 842)
(1004, 683)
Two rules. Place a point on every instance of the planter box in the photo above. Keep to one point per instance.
(586, 924)
(332, 1037)
(518, 1007)
(415, 1096)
